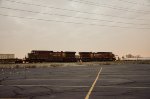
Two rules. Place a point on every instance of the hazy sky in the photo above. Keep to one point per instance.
(119, 26)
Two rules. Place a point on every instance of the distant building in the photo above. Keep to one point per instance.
(7, 56)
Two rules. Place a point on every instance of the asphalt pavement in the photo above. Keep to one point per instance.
(124, 81)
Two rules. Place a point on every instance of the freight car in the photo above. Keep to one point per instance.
(96, 56)
(50, 56)
(11, 60)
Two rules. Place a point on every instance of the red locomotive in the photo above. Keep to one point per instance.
(99, 56)
(50, 56)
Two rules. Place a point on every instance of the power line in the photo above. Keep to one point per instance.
(110, 7)
(71, 16)
(85, 1)
(125, 2)
(72, 10)
(134, 3)
(69, 22)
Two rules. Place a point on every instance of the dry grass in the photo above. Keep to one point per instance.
(47, 65)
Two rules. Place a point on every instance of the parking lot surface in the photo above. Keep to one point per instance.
(124, 81)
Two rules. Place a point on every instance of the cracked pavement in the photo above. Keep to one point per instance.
(124, 81)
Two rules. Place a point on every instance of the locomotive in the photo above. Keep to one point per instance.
(50, 56)
(96, 56)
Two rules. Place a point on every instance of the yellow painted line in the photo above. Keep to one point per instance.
(92, 87)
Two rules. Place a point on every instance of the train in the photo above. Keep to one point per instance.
(39, 56)
(68, 56)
